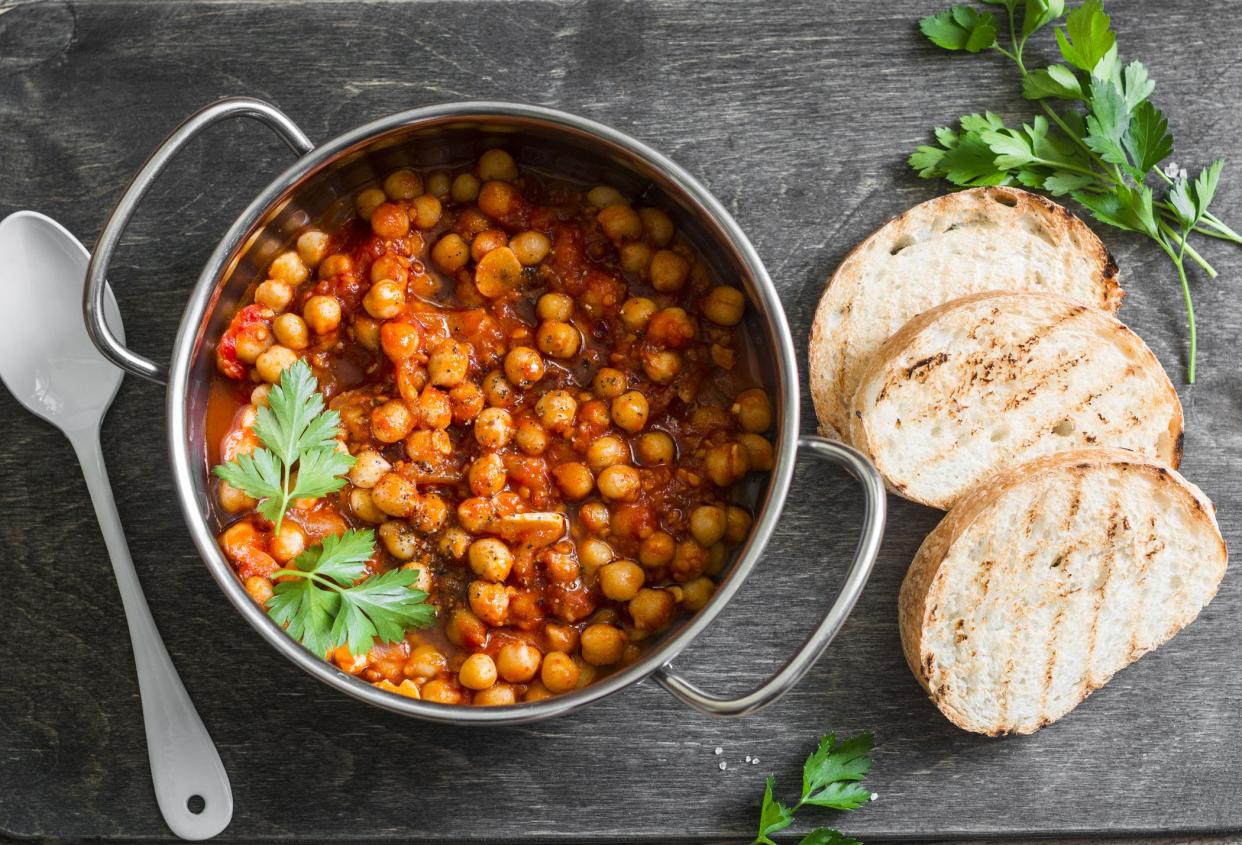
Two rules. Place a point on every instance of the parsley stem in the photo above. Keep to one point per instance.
(1190, 306)
(1183, 241)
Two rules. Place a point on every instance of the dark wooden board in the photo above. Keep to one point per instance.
(799, 116)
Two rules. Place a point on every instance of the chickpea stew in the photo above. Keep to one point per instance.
(544, 394)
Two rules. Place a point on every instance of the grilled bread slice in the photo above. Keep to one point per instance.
(1046, 580)
(983, 239)
(986, 381)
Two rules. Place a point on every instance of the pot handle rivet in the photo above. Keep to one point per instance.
(93, 298)
(874, 508)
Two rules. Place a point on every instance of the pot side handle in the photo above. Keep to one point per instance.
(93, 297)
(875, 504)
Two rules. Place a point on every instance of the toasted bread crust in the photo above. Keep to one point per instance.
(924, 589)
(844, 335)
(964, 369)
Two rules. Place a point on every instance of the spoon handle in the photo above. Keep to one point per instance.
(191, 786)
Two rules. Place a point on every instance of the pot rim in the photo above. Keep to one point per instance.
(759, 286)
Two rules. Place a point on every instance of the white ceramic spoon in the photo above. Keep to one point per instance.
(50, 366)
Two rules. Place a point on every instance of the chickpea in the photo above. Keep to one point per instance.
(602, 196)
(391, 421)
(454, 543)
(322, 314)
(489, 601)
(259, 396)
(671, 328)
(498, 272)
(367, 332)
(758, 450)
(602, 644)
(478, 672)
(259, 588)
(493, 428)
(621, 580)
(486, 241)
(336, 265)
(288, 268)
(518, 662)
(448, 363)
(384, 300)
(537, 692)
(662, 365)
(439, 184)
(557, 410)
(390, 221)
(497, 390)
(652, 610)
(399, 341)
(657, 550)
(607, 451)
(274, 361)
(497, 695)
(252, 342)
(390, 266)
(629, 411)
(433, 409)
(619, 483)
(531, 437)
(497, 199)
(689, 561)
(560, 637)
(753, 410)
(586, 673)
(351, 663)
(275, 294)
(233, 500)
(466, 400)
(465, 188)
(395, 494)
(425, 211)
(656, 448)
(595, 517)
(490, 559)
(291, 331)
(594, 554)
(464, 629)
(430, 513)
(635, 258)
(557, 339)
(363, 506)
(476, 514)
(724, 305)
(523, 367)
(398, 538)
(609, 383)
(487, 477)
(737, 525)
(657, 225)
(450, 253)
(403, 185)
(726, 463)
(574, 480)
(707, 524)
(312, 247)
(668, 271)
(636, 312)
(441, 692)
(424, 663)
(530, 247)
(620, 223)
(697, 592)
(559, 672)
(497, 164)
(369, 200)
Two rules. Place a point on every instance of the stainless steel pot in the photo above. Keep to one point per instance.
(317, 188)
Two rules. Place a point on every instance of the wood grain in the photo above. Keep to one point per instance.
(798, 115)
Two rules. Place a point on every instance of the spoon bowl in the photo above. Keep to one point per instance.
(47, 360)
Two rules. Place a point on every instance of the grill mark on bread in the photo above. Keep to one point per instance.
(1106, 569)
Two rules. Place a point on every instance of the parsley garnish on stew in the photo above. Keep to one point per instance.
(296, 432)
(832, 778)
(1098, 140)
(322, 607)
(326, 599)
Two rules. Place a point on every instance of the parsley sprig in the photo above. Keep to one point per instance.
(328, 600)
(832, 778)
(296, 431)
(1098, 140)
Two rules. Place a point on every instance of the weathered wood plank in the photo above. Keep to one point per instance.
(798, 115)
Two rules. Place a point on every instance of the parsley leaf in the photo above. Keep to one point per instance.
(1087, 36)
(960, 28)
(1147, 138)
(1056, 81)
(831, 778)
(1040, 13)
(327, 600)
(294, 428)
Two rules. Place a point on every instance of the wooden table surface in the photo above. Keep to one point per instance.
(798, 115)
